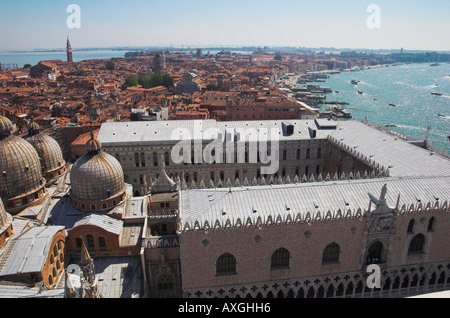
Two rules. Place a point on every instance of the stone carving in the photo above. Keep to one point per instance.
(382, 224)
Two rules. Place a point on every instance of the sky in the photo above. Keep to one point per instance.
(42, 24)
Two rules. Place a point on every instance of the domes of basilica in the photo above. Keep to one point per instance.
(97, 180)
(21, 180)
(49, 151)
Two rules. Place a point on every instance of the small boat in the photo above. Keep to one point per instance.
(354, 82)
(390, 125)
(393, 105)
(435, 64)
(375, 99)
(337, 92)
(440, 115)
(437, 94)
(359, 91)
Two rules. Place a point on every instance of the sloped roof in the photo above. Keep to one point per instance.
(30, 251)
(315, 199)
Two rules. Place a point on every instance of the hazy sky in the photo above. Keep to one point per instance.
(412, 24)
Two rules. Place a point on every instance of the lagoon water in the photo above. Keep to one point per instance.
(409, 88)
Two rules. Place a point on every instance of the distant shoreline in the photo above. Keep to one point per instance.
(329, 50)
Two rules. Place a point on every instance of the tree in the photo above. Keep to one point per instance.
(27, 65)
(110, 65)
(156, 79)
(130, 80)
(167, 80)
(278, 57)
(211, 87)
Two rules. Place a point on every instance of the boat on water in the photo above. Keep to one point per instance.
(392, 105)
(339, 112)
(354, 82)
(390, 125)
(440, 115)
(375, 99)
(437, 94)
(435, 64)
(360, 91)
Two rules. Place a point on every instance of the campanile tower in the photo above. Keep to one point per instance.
(69, 51)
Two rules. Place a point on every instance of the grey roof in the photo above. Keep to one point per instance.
(172, 131)
(13, 291)
(400, 157)
(119, 277)
(200, 205)
(105, 222)
(63, 213)
(30, 250)
(136, 207)
(392, 152)
(131, 234)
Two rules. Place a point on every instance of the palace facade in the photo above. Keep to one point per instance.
(375, 198)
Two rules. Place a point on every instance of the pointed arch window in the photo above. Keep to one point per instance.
(375, 253)
(416, 246)
(410, 227)
(431, 223)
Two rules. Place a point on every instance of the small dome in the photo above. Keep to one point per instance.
(6, 126)
(96, 176)
(33, 128)
(93, 145)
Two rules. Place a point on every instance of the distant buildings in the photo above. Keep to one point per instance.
(187, 84)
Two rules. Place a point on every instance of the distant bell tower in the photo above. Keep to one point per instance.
(69, 51)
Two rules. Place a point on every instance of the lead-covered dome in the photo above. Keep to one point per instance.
(97, 180)
(49, 151)
(21, 181)
(6, 126)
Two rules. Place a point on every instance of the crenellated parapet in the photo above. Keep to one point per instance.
(260, 221)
